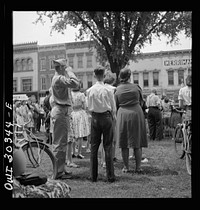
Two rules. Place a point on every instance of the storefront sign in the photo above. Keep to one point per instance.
(178, 62)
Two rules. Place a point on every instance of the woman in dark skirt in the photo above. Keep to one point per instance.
(130, 126)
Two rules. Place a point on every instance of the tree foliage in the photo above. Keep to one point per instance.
(119, 35)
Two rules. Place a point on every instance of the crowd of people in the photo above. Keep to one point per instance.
(29, 111)
(107, 115)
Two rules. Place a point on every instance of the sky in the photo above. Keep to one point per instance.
(25, 31)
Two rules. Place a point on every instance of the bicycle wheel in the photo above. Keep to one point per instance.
(179, 142)
(189, 157)
(40, 158)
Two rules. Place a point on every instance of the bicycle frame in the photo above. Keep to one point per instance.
(27, 139)
(185, 136)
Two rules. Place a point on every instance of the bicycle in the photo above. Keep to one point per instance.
(39, 156)
(183, 141)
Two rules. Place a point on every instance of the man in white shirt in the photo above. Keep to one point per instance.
(185, 97)
(101, 104)
(154, 116)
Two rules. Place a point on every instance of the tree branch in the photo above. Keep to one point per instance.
(88, 26)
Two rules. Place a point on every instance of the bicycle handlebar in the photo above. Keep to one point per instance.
(22, 126)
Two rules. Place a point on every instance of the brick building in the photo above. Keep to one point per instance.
(164, 70)
(25, 69)
(46, 54)
(33, 69)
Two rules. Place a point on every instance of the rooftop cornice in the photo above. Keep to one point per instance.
(165, 52)
(25, 46)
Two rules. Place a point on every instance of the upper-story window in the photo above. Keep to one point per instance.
(14, 85)
(155, 78)
(61, 56)
(170, 77)
(89, 60)
(24, 64)
(80, 60)
(51, 64)
(71, 61)
(26, 85)
(42, 63)
(30, 64)
(146, 79)
(43, 83)
(89, 80)
(18, 66)
(180, 77)
(135, 78)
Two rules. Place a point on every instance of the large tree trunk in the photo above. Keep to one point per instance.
(115, 68)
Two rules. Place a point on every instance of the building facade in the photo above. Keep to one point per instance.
(166, 70)
(82, 57)
(46, 55)
(25, 69)
(33, 67)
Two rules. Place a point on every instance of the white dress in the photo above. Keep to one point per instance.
(80, 121)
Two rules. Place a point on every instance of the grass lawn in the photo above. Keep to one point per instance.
(165, 176)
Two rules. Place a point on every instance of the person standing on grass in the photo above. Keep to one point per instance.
(101, 104)
(130, 125)
(109, 80)
(47, 109)
(60, 114)
(185, 97)
(79, 120)
(154, 115)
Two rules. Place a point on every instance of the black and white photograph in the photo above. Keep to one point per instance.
(101, 105)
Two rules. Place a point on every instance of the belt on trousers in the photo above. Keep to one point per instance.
(101, 113)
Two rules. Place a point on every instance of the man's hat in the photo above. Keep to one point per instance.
(60, 62)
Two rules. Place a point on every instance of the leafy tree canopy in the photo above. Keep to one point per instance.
(119, 35)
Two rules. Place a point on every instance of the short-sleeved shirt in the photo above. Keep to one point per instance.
(185, 94)
(153, 100)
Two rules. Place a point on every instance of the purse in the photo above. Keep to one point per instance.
(34, 178)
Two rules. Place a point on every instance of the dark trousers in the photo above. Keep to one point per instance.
(155, 123)
(101, 124)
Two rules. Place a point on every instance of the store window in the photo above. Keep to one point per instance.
(170, 77)
(135, 78)
(146, 79)
(155, 78)
(26, 85)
